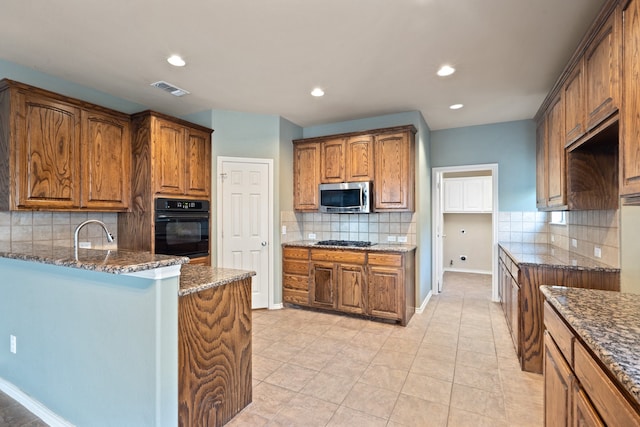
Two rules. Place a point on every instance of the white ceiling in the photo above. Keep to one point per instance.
(372, 57)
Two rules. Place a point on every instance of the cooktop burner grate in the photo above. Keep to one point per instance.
(344, 243)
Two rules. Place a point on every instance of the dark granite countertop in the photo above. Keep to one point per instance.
(378, 247)
(609, 324)
(106, 261)
(552, 256)
(196, 278)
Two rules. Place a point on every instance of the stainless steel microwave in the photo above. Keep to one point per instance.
(345, 197)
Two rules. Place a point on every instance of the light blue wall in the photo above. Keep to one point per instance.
(97, 349)
(32, 77)
(512, 145)
(423, 181)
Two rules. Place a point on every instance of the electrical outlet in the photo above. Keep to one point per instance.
(402, 239)
(391, 238)
(597, 252)
(312, 236)
(284, 229)
(14, 345)
(84, 245)
(574, 243)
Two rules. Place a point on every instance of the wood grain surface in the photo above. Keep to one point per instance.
(214, 354)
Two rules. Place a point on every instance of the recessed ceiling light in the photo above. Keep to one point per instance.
(317, 92)
(456, 106)
(176, 61)
(446, 70)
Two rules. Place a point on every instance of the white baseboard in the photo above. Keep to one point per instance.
(463, 270)
(33, 406)
(424, 303)
(278, 306)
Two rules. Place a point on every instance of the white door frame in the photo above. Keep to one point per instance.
(436, 206)
(269, 163)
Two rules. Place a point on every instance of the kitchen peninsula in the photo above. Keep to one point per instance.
(115, 337)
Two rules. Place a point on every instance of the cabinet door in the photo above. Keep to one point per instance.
(106, 161)
(332, 161)
(514, 315)
(473, 198)
(306, 176)
(323, 284)
(573, 99)
(198, 173)
(558, 386)
(541, 164)
(584, 414)
(556, 156)
(359, 161)
(48, 154)
(352, 289)
(630, 131)
(453, 195)
(394, 172)
(169, 158)
(385, 287)
(487, 194)
(602, 72)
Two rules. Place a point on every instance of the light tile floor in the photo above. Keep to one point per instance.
(453, 365)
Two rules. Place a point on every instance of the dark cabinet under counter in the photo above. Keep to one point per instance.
(522, 269)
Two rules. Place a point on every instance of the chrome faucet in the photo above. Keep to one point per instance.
(90, 221)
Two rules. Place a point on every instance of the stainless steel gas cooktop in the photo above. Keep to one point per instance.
(356, 243)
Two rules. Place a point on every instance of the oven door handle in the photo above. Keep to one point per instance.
(165, 218)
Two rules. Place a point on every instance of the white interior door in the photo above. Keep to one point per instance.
(244, 221)
(438, 199)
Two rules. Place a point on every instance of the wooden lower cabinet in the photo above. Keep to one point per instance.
(522, 301)
(577, 390)
(214, 354)
(368, 283)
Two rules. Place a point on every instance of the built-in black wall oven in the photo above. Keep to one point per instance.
(182, 227)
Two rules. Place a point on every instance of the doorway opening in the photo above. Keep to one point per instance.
(461, 180)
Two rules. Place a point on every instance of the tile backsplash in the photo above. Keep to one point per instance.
(587, 229)
(56, 228)
(374, 227)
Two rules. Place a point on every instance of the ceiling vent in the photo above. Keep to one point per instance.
(168, 87)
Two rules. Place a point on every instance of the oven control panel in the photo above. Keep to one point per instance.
(174, 205)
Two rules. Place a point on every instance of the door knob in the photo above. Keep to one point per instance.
(264, 243)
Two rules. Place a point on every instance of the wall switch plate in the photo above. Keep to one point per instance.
(553, 238)
(402, 239)
(574, 243)
(391, 238)
(84, 245)
(284, 229)
(312, 236)
(14, 346)
(597, 252)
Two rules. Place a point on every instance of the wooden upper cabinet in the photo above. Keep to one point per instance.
(359, 161)
(541, 164)
(394, 171)
(60, 153)
(332, 160)
(573, 99)
(181, 155)
(106, 165)
(602, 73)
(629, 121)
(306, 176)
(556, 156)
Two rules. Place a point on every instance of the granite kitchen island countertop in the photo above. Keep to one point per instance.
(112, 261)
(609, 324)
(377, 247)
(551, 256)
(196, 278)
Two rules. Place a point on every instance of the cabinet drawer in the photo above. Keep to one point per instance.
(295, 297)
(347, 257)
(391, 260)
(559, 331)
(295, 253)
(295, 267)
(610, 403)
(291, 281)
